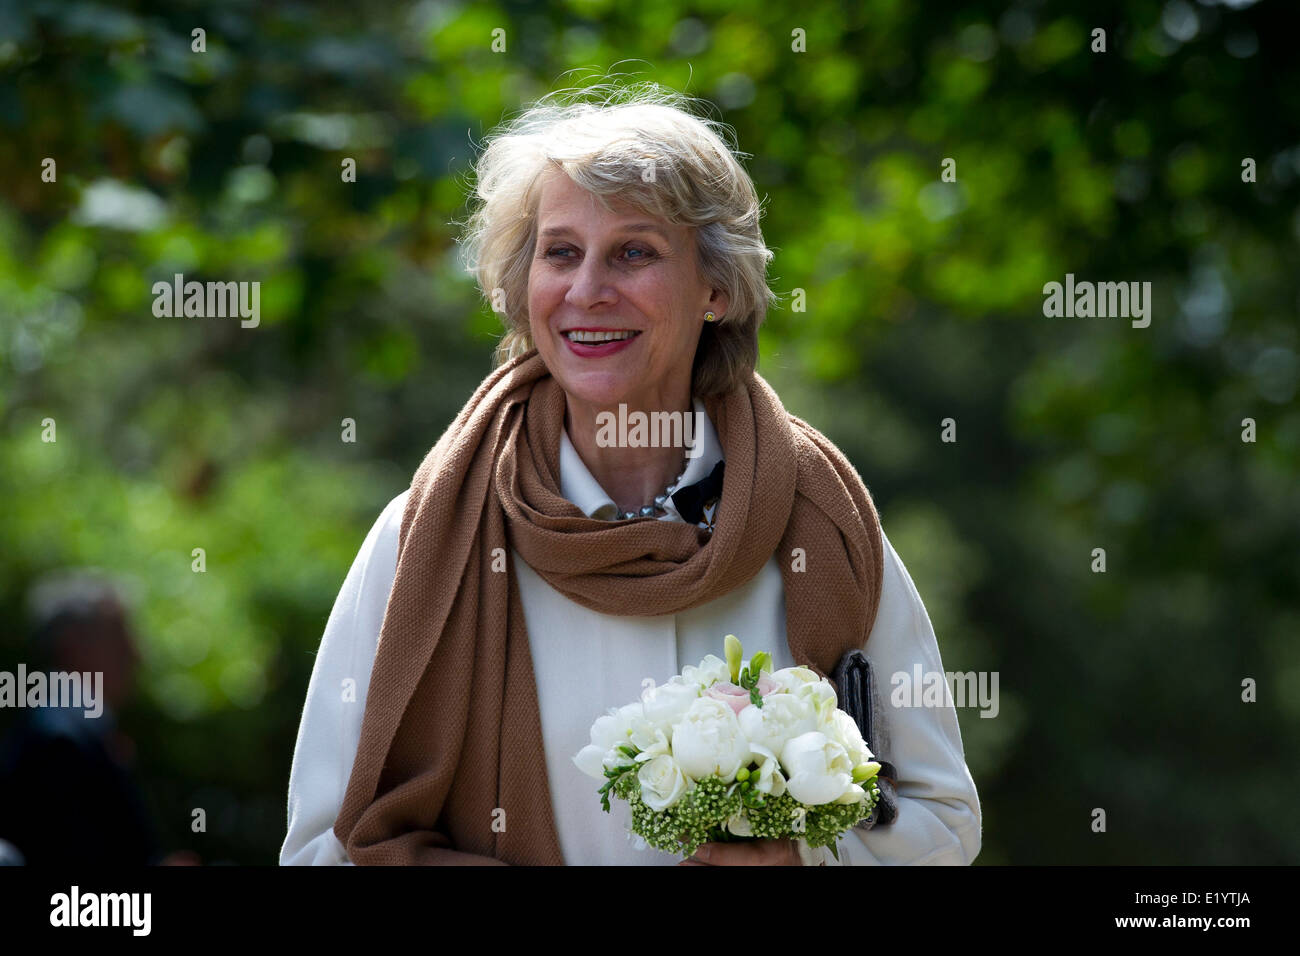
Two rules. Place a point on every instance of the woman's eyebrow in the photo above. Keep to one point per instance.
(553, 232)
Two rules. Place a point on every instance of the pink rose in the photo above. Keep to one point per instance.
(735, 697)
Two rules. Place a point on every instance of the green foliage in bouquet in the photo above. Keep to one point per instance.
(693, 820)
(822, 824)
(701, 815)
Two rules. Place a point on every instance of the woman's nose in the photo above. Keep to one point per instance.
(590, 283)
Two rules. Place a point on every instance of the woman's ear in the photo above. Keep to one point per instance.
(718, 303)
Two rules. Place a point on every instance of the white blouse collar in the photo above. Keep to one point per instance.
(578, 485)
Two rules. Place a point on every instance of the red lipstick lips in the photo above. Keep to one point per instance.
(598, 349)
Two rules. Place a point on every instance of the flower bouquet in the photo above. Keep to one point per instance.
(731, 750)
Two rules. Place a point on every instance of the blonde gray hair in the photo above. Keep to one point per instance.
(642, 145)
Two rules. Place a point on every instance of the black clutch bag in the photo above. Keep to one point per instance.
(859, 698)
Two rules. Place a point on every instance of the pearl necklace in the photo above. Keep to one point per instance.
(660, 505)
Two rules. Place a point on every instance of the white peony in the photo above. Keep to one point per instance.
(662, 782)
(804, 683)
(818, 769)
(708, 741)
(781, 717)
(790, 678)
(844, 730)
(665, 704)
(821, 695)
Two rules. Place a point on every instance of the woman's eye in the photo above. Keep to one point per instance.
(644, 253)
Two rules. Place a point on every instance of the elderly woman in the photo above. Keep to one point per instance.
(535, 571)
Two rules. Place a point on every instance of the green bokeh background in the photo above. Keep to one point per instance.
(921, 300)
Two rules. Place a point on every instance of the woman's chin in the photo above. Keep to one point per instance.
(598, 389)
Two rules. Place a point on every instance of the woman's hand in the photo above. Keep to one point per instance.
(748, 853)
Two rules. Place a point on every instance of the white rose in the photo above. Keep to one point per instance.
(664, 705)
(708, 741)
(819, 769)
(781, 717)
(662, 782)
(711, 670)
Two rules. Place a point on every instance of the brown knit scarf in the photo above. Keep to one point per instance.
(451, 735)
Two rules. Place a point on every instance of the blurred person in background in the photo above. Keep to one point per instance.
(67, 793)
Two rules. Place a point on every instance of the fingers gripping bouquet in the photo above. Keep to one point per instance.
(731, 750)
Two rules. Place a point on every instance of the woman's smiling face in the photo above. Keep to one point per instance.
(603, 274)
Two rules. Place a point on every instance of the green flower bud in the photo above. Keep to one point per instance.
(734, 652)
(865, 771)
(742, 774)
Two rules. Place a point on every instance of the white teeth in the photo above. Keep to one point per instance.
(596, 337)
